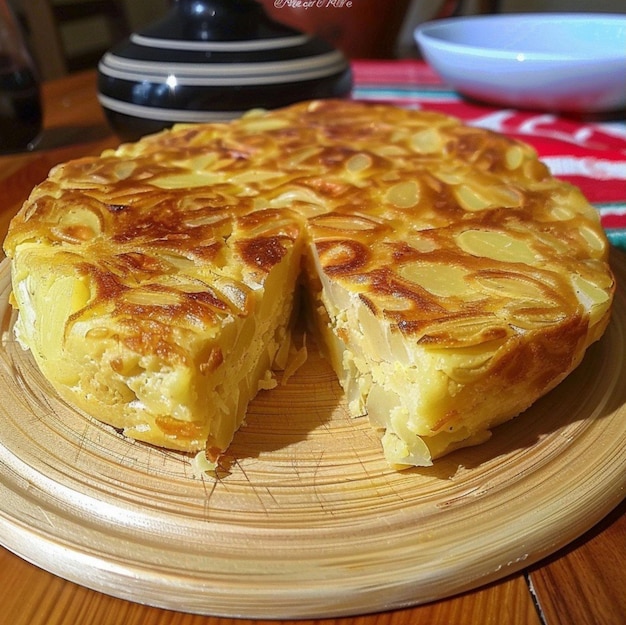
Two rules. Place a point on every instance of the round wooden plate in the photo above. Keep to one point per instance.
(306, 520)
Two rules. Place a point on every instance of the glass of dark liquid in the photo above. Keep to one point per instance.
(20, 99)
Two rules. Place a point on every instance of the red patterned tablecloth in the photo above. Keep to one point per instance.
(586, 152)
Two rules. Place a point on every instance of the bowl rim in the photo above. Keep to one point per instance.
(429, 35)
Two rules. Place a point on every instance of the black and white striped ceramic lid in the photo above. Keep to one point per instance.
(159, 76)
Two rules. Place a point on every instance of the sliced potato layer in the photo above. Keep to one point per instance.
(451, 278)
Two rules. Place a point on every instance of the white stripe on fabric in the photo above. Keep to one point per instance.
(588, 167)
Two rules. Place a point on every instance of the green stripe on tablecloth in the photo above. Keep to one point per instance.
(616, 235)
(399, 92)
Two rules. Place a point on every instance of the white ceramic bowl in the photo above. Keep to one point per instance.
(569, 62)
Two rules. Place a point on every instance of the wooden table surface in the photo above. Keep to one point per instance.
(583, 584)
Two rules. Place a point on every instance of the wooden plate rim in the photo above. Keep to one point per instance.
(314, 525)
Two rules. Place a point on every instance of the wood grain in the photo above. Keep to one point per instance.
(589, 578)
(305, 520)
(582, 583)
(37, 598)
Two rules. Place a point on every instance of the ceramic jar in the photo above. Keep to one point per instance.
(212, 60)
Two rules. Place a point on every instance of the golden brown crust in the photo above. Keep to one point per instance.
(455, 240)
